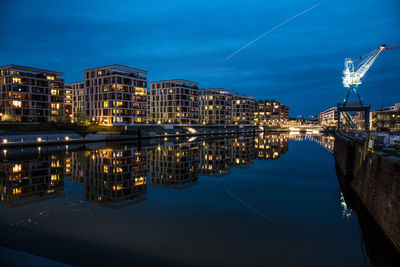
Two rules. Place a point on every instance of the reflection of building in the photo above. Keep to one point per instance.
(327, 142)
(116, 95)
(215, 157)
(243, 109)
(387, 119)
(271, 146)
(174, 166)
(215, 106)
(243, 152)
(29, 181)
(328, 117)
(174, 101)
(30, 94)
(114, 177)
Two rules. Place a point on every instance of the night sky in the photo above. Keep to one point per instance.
(299, 64)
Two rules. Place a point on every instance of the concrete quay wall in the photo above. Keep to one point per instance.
(375, 180)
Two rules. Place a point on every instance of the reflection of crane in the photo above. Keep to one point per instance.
(352, 76)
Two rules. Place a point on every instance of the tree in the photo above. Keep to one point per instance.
(81, 118)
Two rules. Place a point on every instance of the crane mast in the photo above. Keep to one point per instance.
(352, 75)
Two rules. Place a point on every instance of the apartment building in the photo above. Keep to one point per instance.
(328, 117)
(243, 107)
(268, 112)
(31, 94)
(78, 99)
(116, 95)
(387, 119)
(284, 114)
(68, 101)
(174, 101)
(215, 106)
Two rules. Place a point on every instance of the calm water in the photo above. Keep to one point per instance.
(269, 201)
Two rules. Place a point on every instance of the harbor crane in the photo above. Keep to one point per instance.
(352, 76)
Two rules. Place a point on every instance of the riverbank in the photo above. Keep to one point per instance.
(15, 139)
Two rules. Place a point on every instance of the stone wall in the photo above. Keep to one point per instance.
(376, 181)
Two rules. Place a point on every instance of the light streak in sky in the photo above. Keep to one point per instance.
(271, 30)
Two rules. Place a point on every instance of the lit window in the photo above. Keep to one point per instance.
(54, 92)
(17, 103)
(50, 78)
(17, 168)
(16, 80)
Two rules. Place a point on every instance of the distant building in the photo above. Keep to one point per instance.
(284, 114)
(116, 95)
(243, 107)
(31, 94)
(268, 113)
(328, 117)
(387, 119)
(174, 101)
(78, 99)
(215, 106)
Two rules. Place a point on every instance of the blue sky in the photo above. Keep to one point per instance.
(299, 64)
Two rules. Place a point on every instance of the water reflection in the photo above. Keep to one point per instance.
(117, 176)
(174, 166)
(112, 177)
(27, 181)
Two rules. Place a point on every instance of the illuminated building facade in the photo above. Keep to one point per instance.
(243, 107)
(268, 112)
(28, 181)
(31, 94)
(215, 106)
(174, 166)
(68, 101)
(114, 177)
(174, 101)
(284, 114)
(328, 117)
(116, 95)
(78, 99)
(387, 119)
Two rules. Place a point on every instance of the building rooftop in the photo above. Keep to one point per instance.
(220, 90)
(120, 67)
(30, 69)
(178, 81)
(245, 96)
